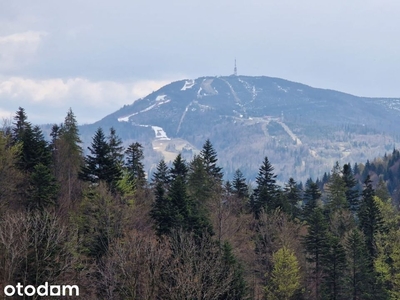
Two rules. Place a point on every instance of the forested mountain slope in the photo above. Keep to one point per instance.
(302, 129)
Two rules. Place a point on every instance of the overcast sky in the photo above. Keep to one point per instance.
(96, 56)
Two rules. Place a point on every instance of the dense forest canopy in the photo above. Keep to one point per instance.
(99, 221)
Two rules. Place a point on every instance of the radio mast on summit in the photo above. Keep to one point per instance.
(235, 69)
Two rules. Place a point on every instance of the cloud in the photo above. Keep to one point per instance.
(5, 115)
(47, 101)
(19, 49)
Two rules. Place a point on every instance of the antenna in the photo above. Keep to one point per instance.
(235, 69)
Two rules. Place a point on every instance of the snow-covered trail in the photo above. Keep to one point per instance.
(290, 133)
(183, 117)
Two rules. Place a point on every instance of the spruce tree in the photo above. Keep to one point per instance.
(209, 156)
(312, 195)
(316, 245)
(134, 164)
(161, 175)
(34, 149)
(266, 192)
(43, 188)
(116, 148)
(20, 125)
(199, 181)
(180, 204)
(359, 277)
(334, 268)
(233, 270)
(292, 196)
(179, 168)
(370, 218)
(162, 212)
(68, 159)
(352, 195)
(240, 188)
(336, 190)
(100, 165)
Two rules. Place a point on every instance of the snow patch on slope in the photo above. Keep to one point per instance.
(188, 85)
(159, 102)
(160, 133)
(161, 97)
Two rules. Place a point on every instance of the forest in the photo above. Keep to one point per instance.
(185, 232)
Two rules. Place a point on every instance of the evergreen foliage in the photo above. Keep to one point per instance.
(44, 189)
(134, 164)
(370, 217)
(266, 192)
(312, 195)
(292, 196)
(239, 185)
(179, 168)
(352, 195)
(101, 165)
(359, 277)
(336, 189)
(161, 211)
(334, 269)
(116, 148)
(316, 245)
(209, 156)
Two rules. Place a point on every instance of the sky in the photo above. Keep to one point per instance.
(96, 56)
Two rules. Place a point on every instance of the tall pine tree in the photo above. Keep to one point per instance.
(266, 192)
(370, 218)
(100, 165)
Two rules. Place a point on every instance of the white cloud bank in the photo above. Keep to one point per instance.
(19, 49)
(47, 101)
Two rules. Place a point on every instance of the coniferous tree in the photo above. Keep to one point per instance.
(352, 195)
(180, 204)
(292, 196)
(161, 211)
(312, 195)
(20, 126)
(336, 189)
(134, 164)
(198, 181)
(179, 168)
(188, 214)
(44, 189)
(68, 160)
(34, 149)
(100, 165)
(161, 175)
(116, 148)
(316, 245)
(359, 276)
(209, 156)
(238, 286)
(266, 192)
(239, 185)
(370, 218)
(334, 268)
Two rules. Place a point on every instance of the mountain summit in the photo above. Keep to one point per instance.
(303, 130)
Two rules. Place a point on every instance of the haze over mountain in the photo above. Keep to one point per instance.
(303, 130)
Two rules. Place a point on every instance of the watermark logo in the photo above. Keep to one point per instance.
(42, 290)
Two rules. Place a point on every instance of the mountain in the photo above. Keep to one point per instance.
(303, 130)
